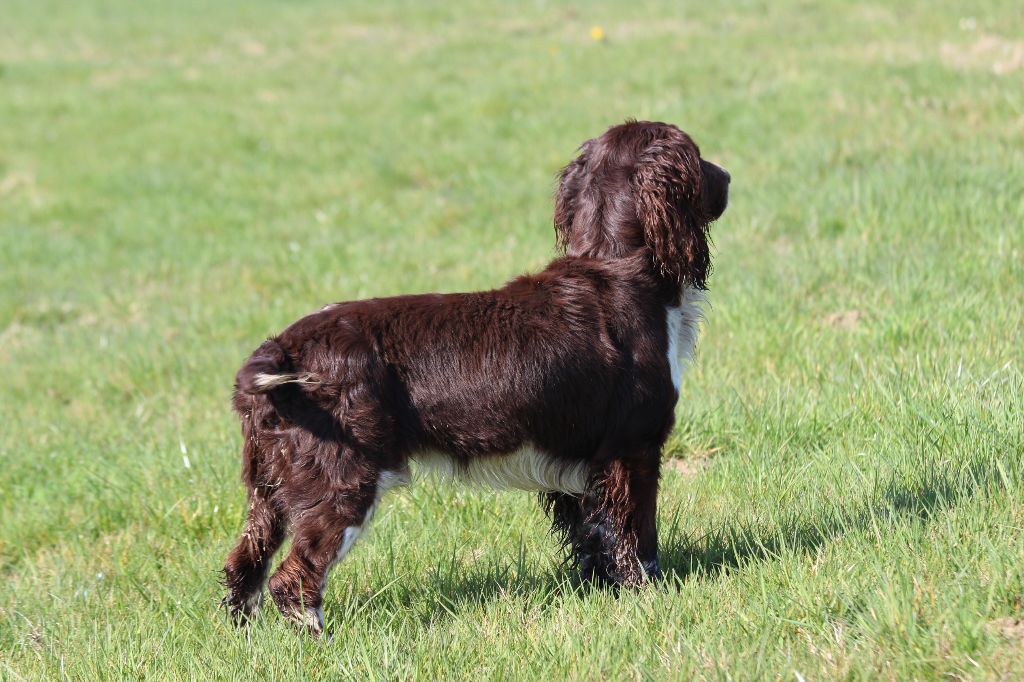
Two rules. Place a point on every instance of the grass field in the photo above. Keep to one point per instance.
(844, 492)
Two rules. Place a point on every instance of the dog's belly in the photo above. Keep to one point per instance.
(524, 469)
(683, 326)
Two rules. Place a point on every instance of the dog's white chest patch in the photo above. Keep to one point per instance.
(683, 323)
(525, 469)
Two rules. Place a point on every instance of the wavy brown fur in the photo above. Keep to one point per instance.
(569, 364)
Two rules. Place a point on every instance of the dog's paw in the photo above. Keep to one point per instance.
(308, 620)
(242, 610)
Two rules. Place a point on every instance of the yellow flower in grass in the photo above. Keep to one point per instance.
(597, 33)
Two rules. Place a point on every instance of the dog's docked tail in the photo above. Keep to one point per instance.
(268, 368)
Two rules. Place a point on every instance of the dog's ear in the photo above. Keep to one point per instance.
(666, 186)
(570, 183)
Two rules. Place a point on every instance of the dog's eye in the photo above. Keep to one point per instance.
(271, 421)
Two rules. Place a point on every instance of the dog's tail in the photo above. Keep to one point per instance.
(268, 368)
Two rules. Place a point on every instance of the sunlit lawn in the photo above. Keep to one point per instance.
(844, 493)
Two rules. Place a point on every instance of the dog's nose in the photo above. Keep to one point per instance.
(725, 173)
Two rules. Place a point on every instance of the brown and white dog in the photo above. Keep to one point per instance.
(563, 382)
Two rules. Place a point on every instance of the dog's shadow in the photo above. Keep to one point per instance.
(725, 549)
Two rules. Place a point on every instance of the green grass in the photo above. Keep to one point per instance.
(844, 496)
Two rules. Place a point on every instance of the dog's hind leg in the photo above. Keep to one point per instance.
(323, 534)
(249, 562)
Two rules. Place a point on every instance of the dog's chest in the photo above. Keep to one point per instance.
(683, 322)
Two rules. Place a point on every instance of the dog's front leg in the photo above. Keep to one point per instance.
(585, 536)
(625, 506)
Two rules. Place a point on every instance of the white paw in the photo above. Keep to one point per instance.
(311, 619)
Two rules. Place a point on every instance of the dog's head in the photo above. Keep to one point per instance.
(642, 185)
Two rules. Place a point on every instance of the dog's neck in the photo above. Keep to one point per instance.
(639, 270)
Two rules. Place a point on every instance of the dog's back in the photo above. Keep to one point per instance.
(562, 361)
